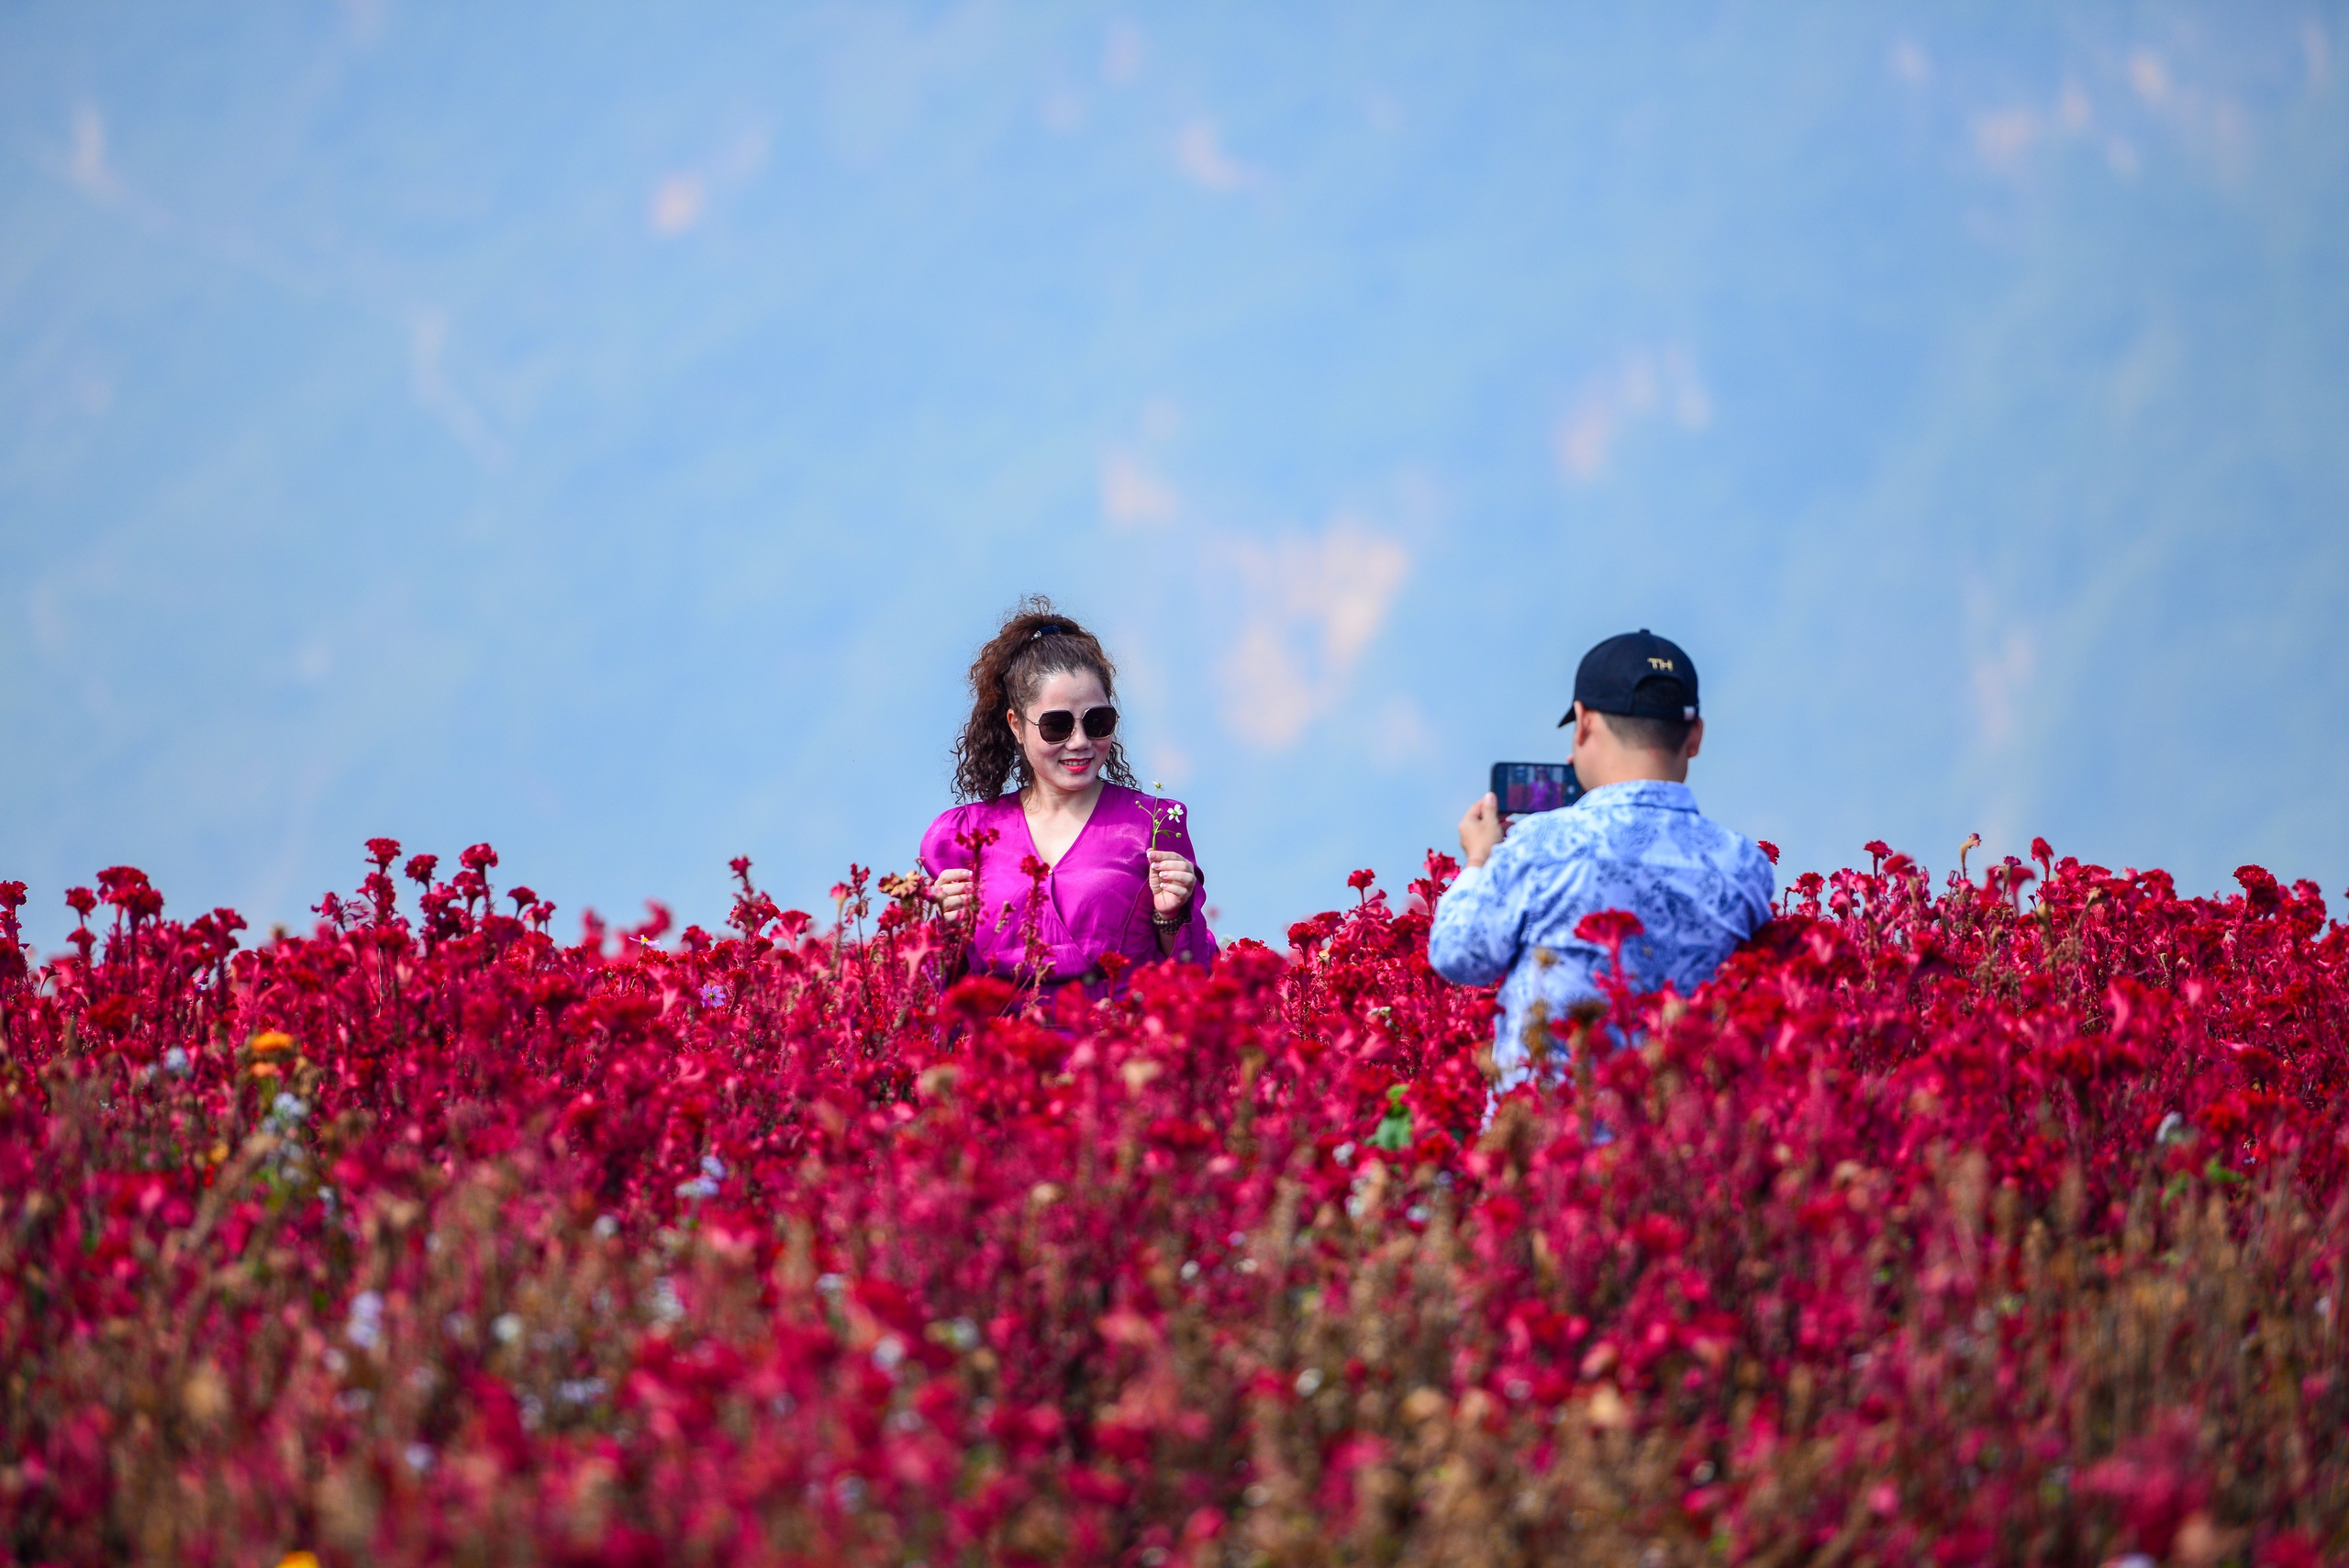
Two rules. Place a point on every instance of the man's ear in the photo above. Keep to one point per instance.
(1695, 739)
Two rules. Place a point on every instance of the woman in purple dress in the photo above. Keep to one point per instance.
(1118, 878)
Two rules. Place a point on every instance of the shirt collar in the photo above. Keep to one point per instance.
(1656, 795)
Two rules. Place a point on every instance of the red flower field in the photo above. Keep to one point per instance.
(2003, 1223)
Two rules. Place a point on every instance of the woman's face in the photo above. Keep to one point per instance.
(1076, 763)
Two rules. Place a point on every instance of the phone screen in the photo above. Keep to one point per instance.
(1523, 787)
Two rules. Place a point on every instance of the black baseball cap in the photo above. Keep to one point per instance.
(1608, 679)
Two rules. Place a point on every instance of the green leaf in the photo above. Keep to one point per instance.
(1394, 1133)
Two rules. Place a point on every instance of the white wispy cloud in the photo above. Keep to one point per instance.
(1122, 52)
(85, 160)
(1199, 153)
(428, 341)
(1647, 384)
(677, 204)
(1312, 607)
(2001, 675)
(2144, 92)
(1133, 494)
(681, 199)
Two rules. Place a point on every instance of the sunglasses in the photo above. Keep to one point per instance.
(1056, 725)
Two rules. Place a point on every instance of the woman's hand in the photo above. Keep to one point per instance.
(1173, 880)
(951, 889)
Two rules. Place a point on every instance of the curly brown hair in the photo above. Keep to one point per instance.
(1036, 641)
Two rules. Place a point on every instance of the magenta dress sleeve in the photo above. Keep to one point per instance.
(999, 937)
(939, 851)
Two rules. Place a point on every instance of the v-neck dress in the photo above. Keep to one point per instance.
(1095, 900)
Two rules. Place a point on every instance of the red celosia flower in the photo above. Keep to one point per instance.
(1957, 1224)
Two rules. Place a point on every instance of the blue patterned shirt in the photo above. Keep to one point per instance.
(1698, 888)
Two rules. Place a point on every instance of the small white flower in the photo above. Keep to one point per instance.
(365, 1328)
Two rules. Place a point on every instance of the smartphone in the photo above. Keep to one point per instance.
(1523, 787)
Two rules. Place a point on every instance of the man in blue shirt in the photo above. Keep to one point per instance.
(1634, 841)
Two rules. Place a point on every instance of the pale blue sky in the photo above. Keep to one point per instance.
(607, 431)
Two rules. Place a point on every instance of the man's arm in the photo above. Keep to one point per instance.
(1759, 882)
(1473, 940)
